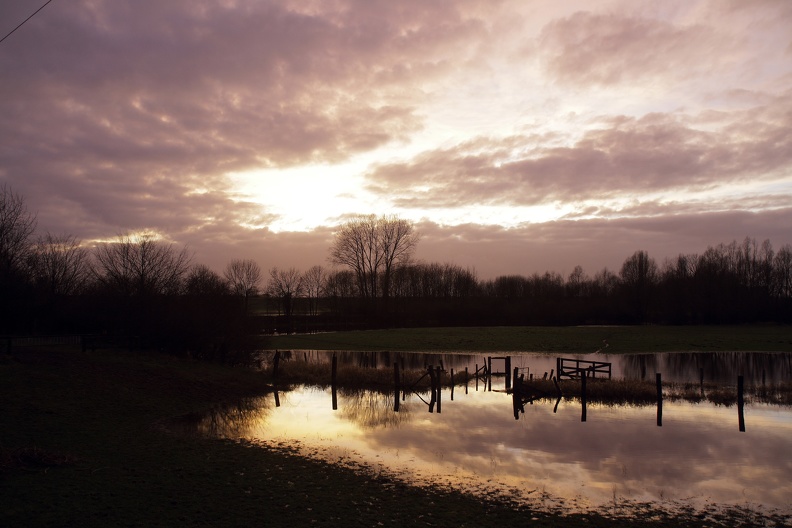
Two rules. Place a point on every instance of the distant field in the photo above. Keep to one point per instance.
(577, 339)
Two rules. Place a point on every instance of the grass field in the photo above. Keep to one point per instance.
(82, 443)
(576, 339)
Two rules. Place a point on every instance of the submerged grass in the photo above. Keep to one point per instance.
(83, 443)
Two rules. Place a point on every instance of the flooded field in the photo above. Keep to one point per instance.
(552, 455)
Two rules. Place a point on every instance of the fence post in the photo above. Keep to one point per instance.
(333, 382)
(433, 383)
(583, 397)
(740, 404)
(439, 389)
(396, 386)
(659, 382)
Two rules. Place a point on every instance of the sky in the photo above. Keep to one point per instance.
(519, 136)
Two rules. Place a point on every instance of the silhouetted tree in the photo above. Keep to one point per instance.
(314, 284)
(372, 247)
(782, 273)
(139, 265)
(286, 285)
(140, 278)
(244, 277)
(203, 282)
(639, 276)
(16, 227)
(59, 264)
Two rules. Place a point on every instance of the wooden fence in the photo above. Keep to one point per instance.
(578, 368)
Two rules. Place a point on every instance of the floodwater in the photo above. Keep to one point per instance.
(547, 456)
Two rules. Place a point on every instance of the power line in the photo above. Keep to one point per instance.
(28, 18)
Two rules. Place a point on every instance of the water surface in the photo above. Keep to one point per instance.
(698, 456)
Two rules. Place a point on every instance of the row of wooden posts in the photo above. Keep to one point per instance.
(522, 391)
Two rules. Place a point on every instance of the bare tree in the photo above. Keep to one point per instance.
(59, 264)
(397, 240)
(286, 285)
(782, 272)
(314, 283)
(341, 284)
(16, 227)
(372, 247)
(140, 266)
(202, 281)
(639, 275)
(244, 278)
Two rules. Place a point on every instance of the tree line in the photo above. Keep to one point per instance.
(142, 287)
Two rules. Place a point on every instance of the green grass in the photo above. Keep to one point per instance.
(578, 339)
(83, 443)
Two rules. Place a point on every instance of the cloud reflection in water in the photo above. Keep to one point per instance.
(697, 456)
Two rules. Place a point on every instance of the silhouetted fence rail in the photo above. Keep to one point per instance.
(578, 368)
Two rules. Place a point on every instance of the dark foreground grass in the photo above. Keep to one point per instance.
(574, 339)
(84, 442)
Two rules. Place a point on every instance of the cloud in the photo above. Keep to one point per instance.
(119, 101)
(616, 156)
(123, 115)
(606, 49)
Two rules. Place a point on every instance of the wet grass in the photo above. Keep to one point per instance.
(577, 339)
(83, 443)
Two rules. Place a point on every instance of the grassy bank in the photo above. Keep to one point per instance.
(82, 443)
(577, 339)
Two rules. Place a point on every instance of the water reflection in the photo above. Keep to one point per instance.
(698, 456)
(718, 367)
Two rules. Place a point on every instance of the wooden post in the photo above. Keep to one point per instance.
(439, 389)
(277, 399)
(508, 372)
(333, 372)
(275, 364)
(477, 377)
(466, 380)
(558, 367)
(659, 382)
(489, 373)
(740, 404)
(396, 386)
(583, 397)
(452, 384)
(433, 383)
